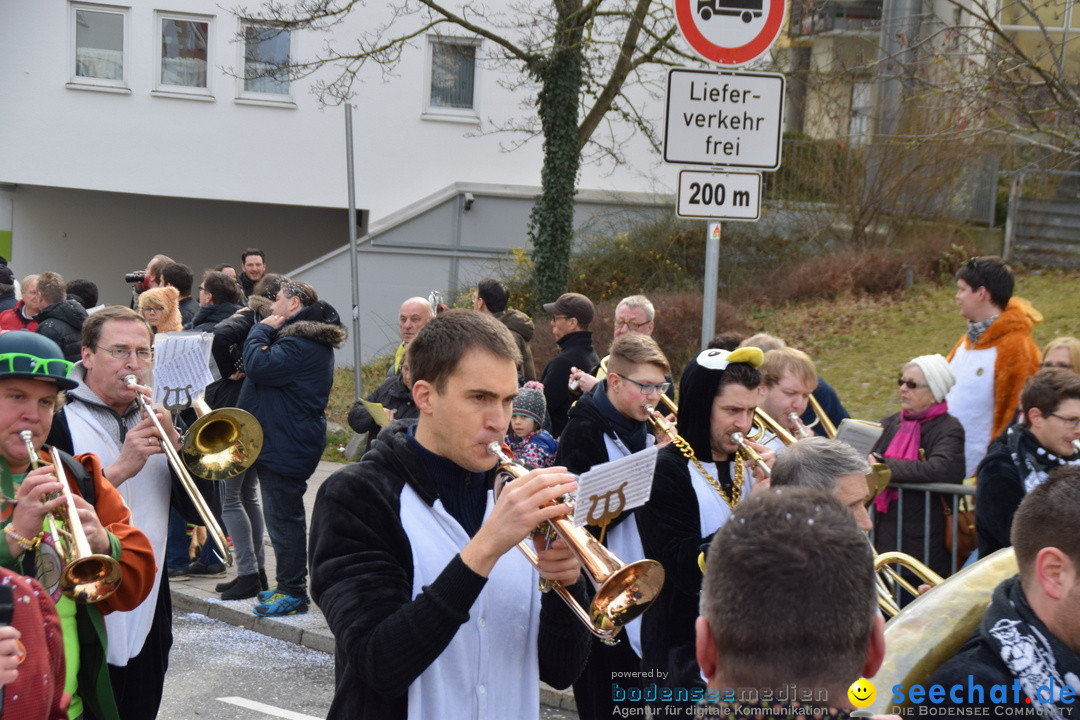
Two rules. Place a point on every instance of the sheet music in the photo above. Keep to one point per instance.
(181, 363)
(377, 412)
(615, 486)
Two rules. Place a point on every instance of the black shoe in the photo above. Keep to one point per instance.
(198, 569)
(222, 587)
(179, 575)
(263, 583)
(247, 586)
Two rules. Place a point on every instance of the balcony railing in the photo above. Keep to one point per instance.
(814, 17)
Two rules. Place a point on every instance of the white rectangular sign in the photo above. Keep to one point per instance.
(724, 119)
(727, 196)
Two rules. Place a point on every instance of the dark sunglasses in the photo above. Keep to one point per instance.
(911, 384)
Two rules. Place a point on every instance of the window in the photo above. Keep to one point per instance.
(859, 118)
(99, 40)
(267, 51)
(452, 78)
(184, 47)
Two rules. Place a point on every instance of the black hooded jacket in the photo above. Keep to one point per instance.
(62, 323)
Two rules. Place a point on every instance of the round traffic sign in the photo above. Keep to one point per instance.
(730, 32)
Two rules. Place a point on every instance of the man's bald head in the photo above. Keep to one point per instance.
(415, 313)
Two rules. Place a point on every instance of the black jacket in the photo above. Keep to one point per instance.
(943, 444)
(208, 316)
(577, 351)
(392, 395)
(671, 534)
(362, 575)
(290, 371)
(228, 352)
(62, 323)
(583, 446)
(189, 307)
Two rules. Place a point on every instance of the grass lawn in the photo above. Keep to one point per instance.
(858, 343)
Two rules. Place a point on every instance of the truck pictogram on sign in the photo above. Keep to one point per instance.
(747, 10)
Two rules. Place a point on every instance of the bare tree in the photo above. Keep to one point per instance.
(585, 63)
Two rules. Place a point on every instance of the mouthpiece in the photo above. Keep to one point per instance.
(130, 380)
(495, 448)
(737, 438)
(26, 436)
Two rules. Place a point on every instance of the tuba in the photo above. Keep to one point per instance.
(931, 629)
(623, 592)
(86, 577)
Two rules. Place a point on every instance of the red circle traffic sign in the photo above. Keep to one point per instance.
(734, 48)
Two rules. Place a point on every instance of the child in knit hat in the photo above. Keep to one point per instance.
(531, 445)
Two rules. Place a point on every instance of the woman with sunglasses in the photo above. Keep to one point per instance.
(922, 443)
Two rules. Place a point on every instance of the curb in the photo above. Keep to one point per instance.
(280, 628)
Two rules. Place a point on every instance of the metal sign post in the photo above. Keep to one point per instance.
(712, 268)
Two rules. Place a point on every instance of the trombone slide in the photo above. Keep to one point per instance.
(182, 473)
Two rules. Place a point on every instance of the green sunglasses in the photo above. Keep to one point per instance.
(33, 365)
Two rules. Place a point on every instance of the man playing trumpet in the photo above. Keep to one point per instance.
(32, 375)
(698, 483)
(412, 557)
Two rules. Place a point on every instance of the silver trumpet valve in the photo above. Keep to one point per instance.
(751, 453)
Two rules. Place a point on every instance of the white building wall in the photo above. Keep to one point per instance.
(51, 135)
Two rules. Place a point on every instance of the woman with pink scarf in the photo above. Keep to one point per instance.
(921, 444)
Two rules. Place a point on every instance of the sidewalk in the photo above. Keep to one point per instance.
(310, 629)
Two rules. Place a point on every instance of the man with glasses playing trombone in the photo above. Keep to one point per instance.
(33, 374)
(1021, 458)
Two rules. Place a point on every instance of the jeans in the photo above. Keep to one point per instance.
(286, 523)
(177, 542)
(244, 518)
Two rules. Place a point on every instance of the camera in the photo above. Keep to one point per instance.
(135, 277)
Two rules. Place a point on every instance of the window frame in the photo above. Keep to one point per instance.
(441, 112)
(187, 92)
(250, 97)
(80, 82)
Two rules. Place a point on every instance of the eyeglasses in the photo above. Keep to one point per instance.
(122, 353)
(1069, 423)
(559, 317)
(1066, 366)
(911, 384)
(648, 388)
(25, 363)
(631, 326)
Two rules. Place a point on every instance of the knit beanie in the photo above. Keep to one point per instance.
(530, 402)
(939, 377)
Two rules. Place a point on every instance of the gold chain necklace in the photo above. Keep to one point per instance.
(736, 484)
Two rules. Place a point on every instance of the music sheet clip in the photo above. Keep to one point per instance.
(614, 487)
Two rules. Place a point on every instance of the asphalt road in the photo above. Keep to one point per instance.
(223, 672)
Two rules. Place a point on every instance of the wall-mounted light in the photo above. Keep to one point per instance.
(469, 200)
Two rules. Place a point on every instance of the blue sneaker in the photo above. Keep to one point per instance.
(279, 604)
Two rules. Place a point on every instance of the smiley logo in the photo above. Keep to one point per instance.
(861, 693)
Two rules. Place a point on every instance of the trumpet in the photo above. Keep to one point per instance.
(623, 592)
(801, 431)
(755, 458)
(822, 418)
(1076, 445)
(87, 577)
(181, 472)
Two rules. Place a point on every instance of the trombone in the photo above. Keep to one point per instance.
(182, 473)
(87, 577)
(763, 424)
(886, 575)
(623, 592)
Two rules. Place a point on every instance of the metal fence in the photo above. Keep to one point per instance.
(1044, 219)
(956, 497)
